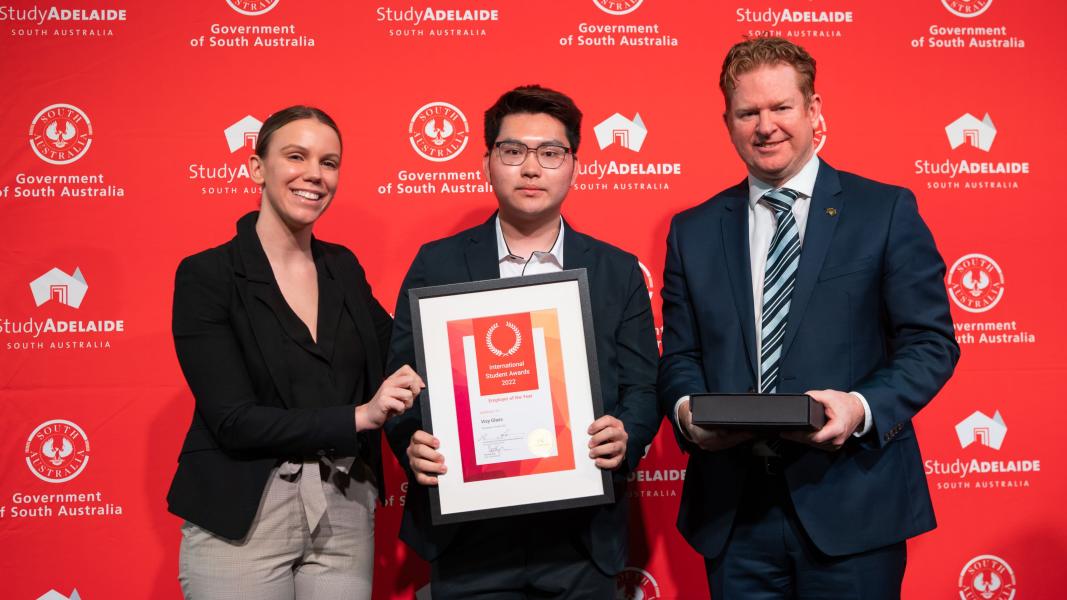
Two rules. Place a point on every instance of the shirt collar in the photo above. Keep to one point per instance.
(803, 182)
(502, 248)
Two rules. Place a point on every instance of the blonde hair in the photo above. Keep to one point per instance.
(767, 51)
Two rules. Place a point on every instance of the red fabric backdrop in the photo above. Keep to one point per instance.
(145, 174)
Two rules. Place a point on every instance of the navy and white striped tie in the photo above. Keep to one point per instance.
(779, 278)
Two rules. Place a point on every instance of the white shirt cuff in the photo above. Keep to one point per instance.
(678, 405)
(867, 419)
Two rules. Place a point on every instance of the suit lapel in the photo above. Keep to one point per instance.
(331, 303)
(482, 260)
(575, 249)
(255, 284)
(817, 236)
(736, 254)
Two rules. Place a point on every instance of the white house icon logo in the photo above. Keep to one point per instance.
(618, 129)
(54, 595)
(987, 431)
(57, 285)
(245, 131)
(969, 129)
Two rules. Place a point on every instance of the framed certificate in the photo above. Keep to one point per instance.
(512, 387)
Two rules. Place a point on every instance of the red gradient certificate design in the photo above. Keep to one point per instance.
(510, 394)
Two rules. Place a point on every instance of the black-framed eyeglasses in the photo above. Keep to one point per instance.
(549, 156)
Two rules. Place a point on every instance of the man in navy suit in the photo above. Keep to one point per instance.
(865, 331)
(532, 136)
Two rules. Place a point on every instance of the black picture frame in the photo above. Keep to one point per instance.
(468, 297)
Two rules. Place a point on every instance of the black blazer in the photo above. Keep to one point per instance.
(228, 335)
(626, 353)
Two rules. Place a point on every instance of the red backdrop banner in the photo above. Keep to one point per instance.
(124, 135)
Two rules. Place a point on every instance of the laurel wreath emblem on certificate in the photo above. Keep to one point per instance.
(497, 351)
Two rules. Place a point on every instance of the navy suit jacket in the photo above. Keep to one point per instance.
(626, 353)
(868, 314)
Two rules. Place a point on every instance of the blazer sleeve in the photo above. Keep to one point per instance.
(383, 327)
(399, 429)
(921, 344)
(383, 323)
(635, 342)
(680, 368)
(213, 361)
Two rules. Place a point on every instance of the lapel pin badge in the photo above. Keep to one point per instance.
(831, 211)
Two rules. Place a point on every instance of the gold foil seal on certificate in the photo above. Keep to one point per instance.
(540, 442)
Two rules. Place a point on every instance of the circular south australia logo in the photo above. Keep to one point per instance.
(60, 134)
(57, 451)
(647, 275)
(252, 7)
(975, 283)
(439, 131)
(818, 138)
(987, 577)
(635, 584)
(618, 7)
(967, 8)
(503, 341)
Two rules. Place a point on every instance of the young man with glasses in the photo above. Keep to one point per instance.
(532, 135)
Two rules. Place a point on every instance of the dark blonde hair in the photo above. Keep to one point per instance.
(287, 115)
(767, 51)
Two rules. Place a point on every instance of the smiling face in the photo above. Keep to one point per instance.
(529, 192)
(299, 171)
(770, 123)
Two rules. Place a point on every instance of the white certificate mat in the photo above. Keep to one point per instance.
(510, 452)
(511, 426)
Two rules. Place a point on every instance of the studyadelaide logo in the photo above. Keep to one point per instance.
(978, 167)
(54, 595)
(794, 22)
(620, 165)
(62, 21)
(436, 22)
(58, 296)
(986, 461)
(229, 176)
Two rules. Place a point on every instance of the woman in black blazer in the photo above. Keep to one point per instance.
(283, 347)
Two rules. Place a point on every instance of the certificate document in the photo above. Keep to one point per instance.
(512, 384)
(510, 394)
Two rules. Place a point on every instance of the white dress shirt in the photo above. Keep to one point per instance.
(512, 265)
(761, 225)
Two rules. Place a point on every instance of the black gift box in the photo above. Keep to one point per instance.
(757, 411)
